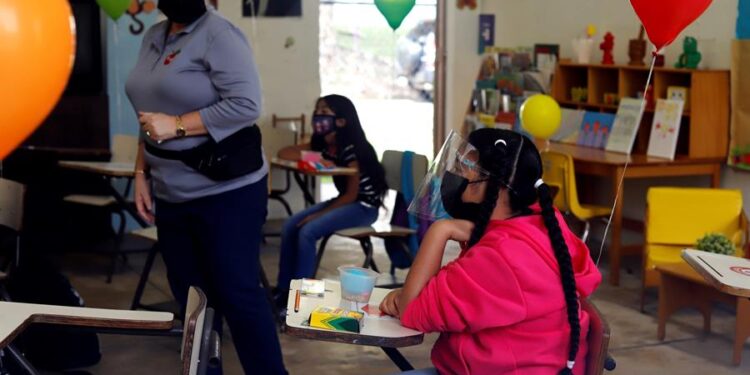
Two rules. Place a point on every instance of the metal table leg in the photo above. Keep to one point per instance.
(398, 359)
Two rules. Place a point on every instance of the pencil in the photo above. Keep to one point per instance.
(296, 302)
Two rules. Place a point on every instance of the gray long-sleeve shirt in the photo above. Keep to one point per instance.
(206, 67)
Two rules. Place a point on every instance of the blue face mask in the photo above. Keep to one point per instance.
(323, 124)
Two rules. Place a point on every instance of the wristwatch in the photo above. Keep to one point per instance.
(180, 131)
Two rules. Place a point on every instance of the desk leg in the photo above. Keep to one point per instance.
(398, 359)
(615, 255)
(716, 177)
(303, 185)
(21, 360)
(144, 277)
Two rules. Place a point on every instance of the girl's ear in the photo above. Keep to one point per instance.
(340, 122)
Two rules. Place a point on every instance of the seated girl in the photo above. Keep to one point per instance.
(509, 303)
(338, 135)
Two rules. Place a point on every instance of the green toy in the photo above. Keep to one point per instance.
(716, 243)
(690, 57)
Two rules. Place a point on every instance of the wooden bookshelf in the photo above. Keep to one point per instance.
(704, 131)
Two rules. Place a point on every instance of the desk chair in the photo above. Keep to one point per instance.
(677, 217)
(597, 359)
(11, 217)
(559, 172)
(201, 346)
(392, 161)
(124, 150)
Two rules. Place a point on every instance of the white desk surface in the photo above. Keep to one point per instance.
(729, 274)
(101, 167)
(377, 331)
(15, 316)
(292, 165)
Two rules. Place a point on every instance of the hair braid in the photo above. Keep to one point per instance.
(566, 272)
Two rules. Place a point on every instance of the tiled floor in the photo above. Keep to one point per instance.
(634, 345)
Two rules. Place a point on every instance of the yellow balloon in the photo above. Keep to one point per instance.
(541, 116)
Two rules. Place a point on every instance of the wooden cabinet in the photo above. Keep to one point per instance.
(704, 131)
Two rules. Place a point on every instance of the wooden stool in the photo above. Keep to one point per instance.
(682, 287)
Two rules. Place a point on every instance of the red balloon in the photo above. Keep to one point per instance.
(665, 19)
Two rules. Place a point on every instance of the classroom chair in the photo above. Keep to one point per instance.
(597, 359)
(11, 217)
(124, 150)
(559, 173)
(677, 217)
(392, 163)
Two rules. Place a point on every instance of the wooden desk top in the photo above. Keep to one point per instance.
(292, 166)
(594, 155)
(14, 317)
(100, 167)
(376, 331)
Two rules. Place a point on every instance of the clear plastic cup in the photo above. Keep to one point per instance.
(357, 283)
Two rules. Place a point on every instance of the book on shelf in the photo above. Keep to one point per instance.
(665, 128)
(625, 128)
(595, 129)
(569, 126)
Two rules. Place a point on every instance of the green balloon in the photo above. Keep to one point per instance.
(395, 11)
(114, 8)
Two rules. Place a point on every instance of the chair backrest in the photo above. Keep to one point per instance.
(124, 148)
(392, 162)
(680, 216)
(294, 124)
(11, 204)
(558, 171)
(598, 339)
(195, 317)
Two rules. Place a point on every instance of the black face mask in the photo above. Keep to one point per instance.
(452, 187)
(182, 11)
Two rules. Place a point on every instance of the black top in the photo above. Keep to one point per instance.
(369, 191)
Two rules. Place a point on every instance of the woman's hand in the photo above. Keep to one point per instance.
(143, 198)
(158, 126)
(389, 304)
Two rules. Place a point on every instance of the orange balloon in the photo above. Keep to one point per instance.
(37, 49)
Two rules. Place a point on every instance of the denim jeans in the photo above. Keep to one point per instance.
(298, 244)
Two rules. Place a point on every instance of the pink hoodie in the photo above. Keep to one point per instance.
(500, 306)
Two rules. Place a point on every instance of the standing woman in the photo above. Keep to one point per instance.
(197, 92)
(338, 135)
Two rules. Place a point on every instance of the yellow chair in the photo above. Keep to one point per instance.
(559, 172)
(677, 217)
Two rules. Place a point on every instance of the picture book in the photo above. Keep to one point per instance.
(595, 129)
(571, 123)
(627, 120)
(666, 127)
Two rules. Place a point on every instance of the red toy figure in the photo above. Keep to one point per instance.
(606, 46)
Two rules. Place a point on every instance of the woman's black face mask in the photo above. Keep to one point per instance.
(452, 187)
(182, 11)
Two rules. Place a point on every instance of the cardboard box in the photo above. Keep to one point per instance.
(336, 318)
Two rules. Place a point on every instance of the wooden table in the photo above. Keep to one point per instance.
(109, 171)
(682, 287)
(302, 176)
(596, 162)
(726, 273)
(385, 332)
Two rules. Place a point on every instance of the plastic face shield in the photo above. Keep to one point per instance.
(455, 169)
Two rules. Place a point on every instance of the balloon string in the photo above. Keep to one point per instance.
(625, 168)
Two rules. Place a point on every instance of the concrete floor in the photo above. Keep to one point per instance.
(634, 345)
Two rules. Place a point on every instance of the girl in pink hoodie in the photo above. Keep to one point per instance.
(509, 303)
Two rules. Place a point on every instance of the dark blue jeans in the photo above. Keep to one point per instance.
(213, 243)
(298, 244)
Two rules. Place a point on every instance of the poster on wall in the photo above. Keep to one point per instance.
(272, 8)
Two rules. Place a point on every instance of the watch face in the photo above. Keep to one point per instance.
(180, 132)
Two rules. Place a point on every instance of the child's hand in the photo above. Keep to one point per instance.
(452, 229)
(389, 305)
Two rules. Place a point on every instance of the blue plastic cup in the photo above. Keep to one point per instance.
(357, 283)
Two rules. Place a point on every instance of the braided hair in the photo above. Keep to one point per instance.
(515, 164)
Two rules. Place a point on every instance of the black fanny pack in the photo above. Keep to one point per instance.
(232, 157)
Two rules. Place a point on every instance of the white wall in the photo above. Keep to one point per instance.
(525, 22)
(462, 62)
(290, 76)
